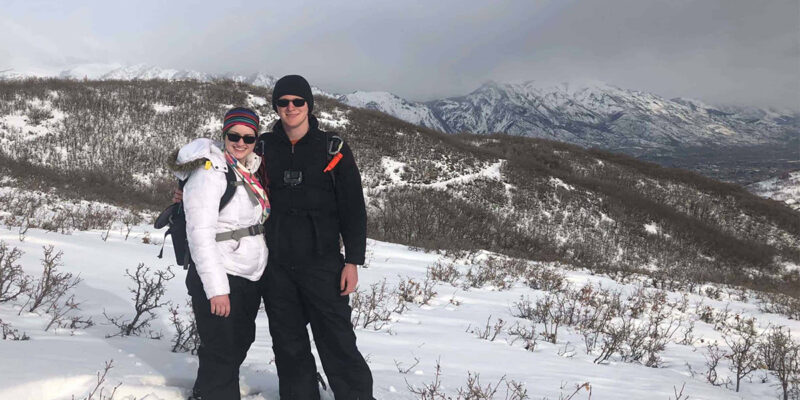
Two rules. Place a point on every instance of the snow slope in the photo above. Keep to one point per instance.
(58, 364)
(415, 113)
(785, 188)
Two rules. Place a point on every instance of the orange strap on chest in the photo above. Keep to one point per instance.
(334, 161)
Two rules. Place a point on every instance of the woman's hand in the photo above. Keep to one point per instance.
(177, 196)
(221, 305)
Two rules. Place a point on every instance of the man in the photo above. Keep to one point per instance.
(316, 197)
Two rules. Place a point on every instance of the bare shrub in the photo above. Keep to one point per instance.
(713, 357)
(493, 272)
(742, 338)
(781, 355)
(405, 370)
(147, 292)
(96, 392)
(641, 340)
(443, 272)
(10, 333)
(475, 391)
(374, 307)
(552, 311)
(13, 280)
(130, 220)
(527, 335)
(60, 315)
(37, 115)
(430, 391)
(679, 395)
(490, 331)
(516, 391)
(545, 278)
(411, 291)
(779, 303)
(186, 338)
(570, 395)
(52, 285)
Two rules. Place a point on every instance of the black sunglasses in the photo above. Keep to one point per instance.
(247, 138)
(285, 102)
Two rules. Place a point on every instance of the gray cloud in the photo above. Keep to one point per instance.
(721, 51)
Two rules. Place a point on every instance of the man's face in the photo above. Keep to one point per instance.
(292, 116)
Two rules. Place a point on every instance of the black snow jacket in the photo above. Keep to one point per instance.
(308, 218)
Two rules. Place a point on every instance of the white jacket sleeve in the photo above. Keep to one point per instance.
(201, 197)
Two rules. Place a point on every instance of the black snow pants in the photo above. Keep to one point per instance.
(224, 341)
(296, 296)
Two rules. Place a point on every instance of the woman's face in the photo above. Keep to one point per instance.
(239, 149)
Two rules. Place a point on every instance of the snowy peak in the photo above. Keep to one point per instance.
(415, 113)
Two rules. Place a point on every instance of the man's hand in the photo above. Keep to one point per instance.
(349, 279)
(177, 196)
(221, 305)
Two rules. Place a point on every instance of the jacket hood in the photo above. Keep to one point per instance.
(197, 152)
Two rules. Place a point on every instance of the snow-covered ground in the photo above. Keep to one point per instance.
(61, 363)
(785, 188)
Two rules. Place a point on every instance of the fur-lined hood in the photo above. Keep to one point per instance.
(199, 151)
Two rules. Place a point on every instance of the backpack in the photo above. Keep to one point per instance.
(174, 217)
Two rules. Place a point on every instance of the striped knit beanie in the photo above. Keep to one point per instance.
(240, 116)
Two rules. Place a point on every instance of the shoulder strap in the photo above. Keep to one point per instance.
(332, 150)
(230, 188)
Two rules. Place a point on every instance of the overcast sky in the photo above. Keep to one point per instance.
(720, 51)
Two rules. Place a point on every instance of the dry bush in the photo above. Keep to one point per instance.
(9, 333)
(642, 339)
(430, 391)
(742, 338)
(542, 277)
(96, 392)
(528, 336)
(779, 303)
(475, 391)
(52, 285)
(60, 311)
(374, 307)
(552, 311)
(443, 272)
(13, 281)
(490, 331)
(780, 354)
(186, 338)
(713, 357)
(414, 292)
(147, 293)
(498, 272)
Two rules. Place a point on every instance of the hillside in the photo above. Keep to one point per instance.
(524, 197)
(784, 188)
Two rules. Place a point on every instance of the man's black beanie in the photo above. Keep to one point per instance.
(294, 85)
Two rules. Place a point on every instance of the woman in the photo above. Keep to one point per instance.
(227, 247)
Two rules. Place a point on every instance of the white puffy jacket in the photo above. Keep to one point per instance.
(246, 257)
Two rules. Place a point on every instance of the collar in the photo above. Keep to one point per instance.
(313, 126)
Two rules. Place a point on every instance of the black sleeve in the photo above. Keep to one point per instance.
(352, 210)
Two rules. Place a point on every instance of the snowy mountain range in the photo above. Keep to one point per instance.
(597, 114)
(144, 72)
